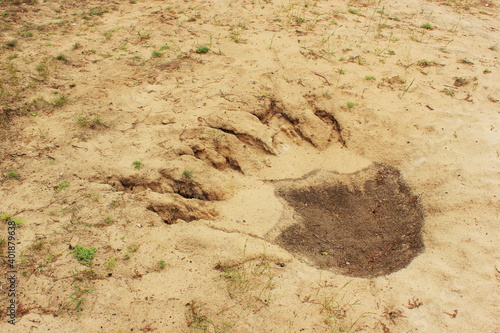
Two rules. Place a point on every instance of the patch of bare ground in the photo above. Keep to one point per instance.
(365, 224)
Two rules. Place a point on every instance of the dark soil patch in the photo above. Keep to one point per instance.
(364, 224)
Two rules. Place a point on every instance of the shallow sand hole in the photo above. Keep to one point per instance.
(363, 224)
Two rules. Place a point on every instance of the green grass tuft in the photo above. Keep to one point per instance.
(427, 26)
(60, 101)
(187, 173)
(61, 186)
(84, 255)
(202, 49)
(12, 174)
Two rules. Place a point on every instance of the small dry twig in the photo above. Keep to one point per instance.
(414, 303)
(326, 80)
(393, 314)
(452, 315)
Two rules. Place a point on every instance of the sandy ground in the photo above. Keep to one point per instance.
(157, 132)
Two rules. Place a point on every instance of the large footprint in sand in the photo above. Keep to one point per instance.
(363, 224)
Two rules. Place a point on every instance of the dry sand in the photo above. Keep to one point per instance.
(195, 236)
